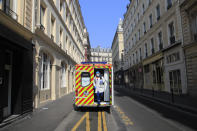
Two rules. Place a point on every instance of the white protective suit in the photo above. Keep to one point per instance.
(106, 92)
(99, 83)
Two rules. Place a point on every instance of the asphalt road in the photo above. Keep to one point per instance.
(129, 113)
(149, 116)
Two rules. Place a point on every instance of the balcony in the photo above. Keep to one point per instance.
(7, 10)
(172, 39)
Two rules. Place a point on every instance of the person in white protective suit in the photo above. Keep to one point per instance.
(99, 86)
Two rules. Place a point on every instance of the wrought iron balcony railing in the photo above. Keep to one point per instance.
(10, 12)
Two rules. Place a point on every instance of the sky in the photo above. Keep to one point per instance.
(101, 19)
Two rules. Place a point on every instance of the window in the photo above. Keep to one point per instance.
(152, 46)
(146, 51)
(144, 24)
(160, 40)
(52, 27)
(138, 16)
(151, 20)
(171, 33)
(146, 68)
(173, 57)
(133, 58)
(42, 15)
(63, 76)
(136, 54)
(135, 39)
(9, 7)
(139, 34)
(175, 81)
(61, 38)
(1, 4)
(61, 5)
(131, 27)
(194, 26)
(149, 2)
(140, 50)
(143, 8)
(158, 12)
(45, 72)
(169, 4)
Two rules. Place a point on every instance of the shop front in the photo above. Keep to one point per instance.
(154, 72)
(136, 76)
(16, 74)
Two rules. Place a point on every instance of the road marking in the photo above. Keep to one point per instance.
(81, 120)
(88, 122)
(99, 121)
(104, 122)
(125, 118)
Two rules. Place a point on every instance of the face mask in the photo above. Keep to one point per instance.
(97, 74)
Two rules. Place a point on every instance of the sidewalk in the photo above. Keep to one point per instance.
(45, 118)
(182, 102)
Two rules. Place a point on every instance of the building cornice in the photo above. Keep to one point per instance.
(15, 26)
(39, 33)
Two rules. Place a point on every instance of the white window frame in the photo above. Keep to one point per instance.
(45, 78)
(63, 76)
(169, 22)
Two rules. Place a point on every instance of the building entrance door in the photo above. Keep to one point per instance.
(7, 84)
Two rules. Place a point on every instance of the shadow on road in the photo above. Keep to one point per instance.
(93, 109)
(166, 111)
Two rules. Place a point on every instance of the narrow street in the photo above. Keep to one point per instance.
(132, 114)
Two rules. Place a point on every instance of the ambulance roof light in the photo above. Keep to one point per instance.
(93, 62)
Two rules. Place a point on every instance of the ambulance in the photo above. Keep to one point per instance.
(85, 95)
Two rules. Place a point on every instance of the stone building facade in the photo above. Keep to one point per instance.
(59, 36)
(99, 54)
(153, 57)
(117, 52)
(87, 46)
(189, 26)
(16, 56)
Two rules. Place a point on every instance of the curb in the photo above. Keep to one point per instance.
(15, 120)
